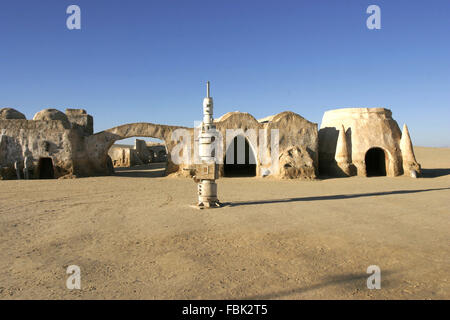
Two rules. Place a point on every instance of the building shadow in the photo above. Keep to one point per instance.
(151, 170)
(356, 280)
(434, 173)
(330, 197)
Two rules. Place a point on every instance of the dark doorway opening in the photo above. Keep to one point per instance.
(375, 162)
(246, 167)
(45, 168)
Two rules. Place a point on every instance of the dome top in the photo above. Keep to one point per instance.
(10, 113)
(51, 114)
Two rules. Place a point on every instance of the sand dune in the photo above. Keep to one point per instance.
(137, 238)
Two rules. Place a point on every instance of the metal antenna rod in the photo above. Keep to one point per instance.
(207, 89)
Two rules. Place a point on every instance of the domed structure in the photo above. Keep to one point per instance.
(52, 114)
(51, 145)
(10, 113)
(362, 141)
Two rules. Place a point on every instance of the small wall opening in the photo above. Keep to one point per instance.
(241, 162)
(45, 168)
(375, 162)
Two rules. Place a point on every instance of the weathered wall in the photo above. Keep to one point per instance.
(35, 139)
(51, 134)
(365, 128)
(81, 121)
(293, 131)
(301, 135)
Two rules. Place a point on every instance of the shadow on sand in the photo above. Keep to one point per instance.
(331, 197)
(358, 280)
(434, 173)
(151, 170)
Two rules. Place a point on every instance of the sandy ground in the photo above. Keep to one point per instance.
(136, 237)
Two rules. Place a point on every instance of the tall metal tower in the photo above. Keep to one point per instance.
(207, 171)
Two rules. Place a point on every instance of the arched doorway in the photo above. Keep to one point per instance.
(243, 162)
(375, 160)
(45, 168)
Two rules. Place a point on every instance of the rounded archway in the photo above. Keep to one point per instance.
(99, 144)
(375, 161)
(240, 160)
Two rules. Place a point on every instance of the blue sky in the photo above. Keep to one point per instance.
(149, 60)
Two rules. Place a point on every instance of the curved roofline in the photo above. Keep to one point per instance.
(359, 110)
(227, 115)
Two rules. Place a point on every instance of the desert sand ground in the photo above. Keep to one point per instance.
(136, 237)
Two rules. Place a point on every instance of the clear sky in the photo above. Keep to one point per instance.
(148, 60)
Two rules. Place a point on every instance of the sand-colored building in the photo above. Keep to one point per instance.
(142, 152)
(356, 141)
(365, 142)
(51, 145)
